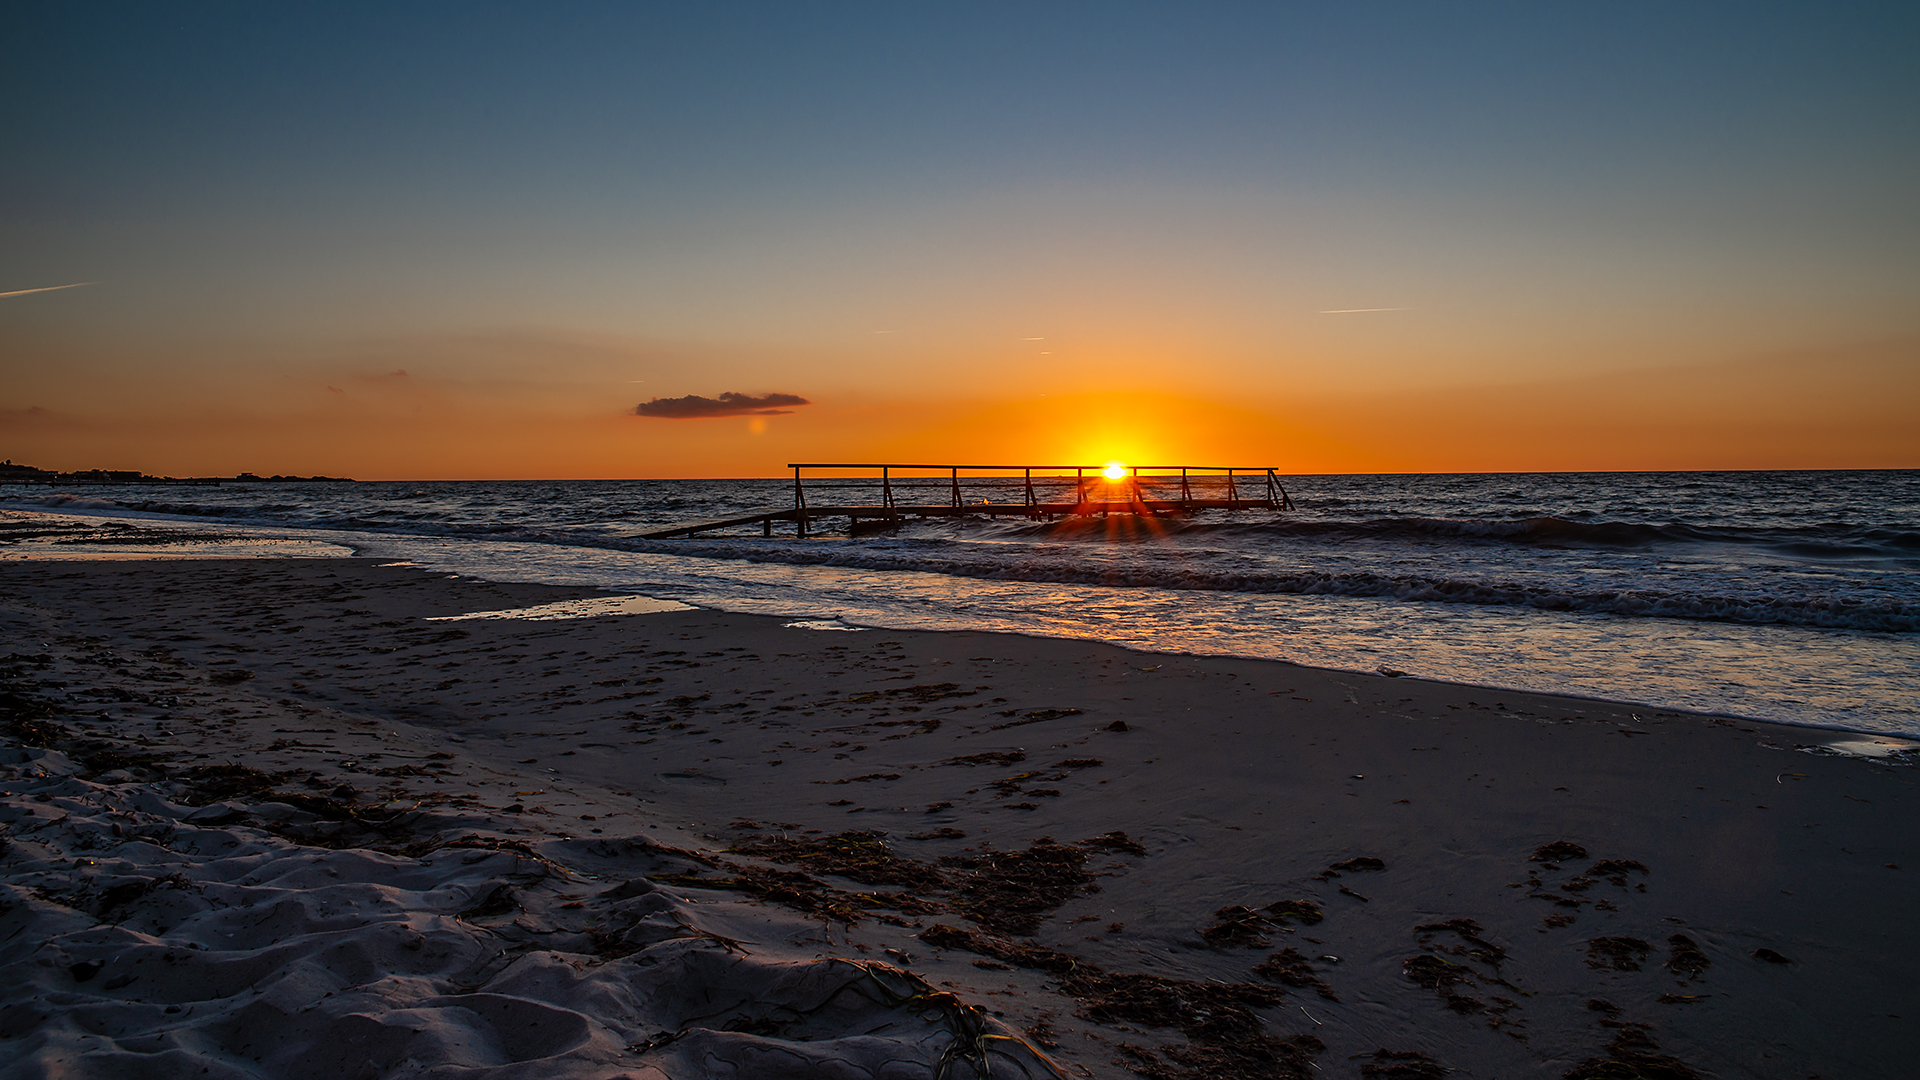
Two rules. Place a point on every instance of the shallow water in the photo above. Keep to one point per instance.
(1784, 596)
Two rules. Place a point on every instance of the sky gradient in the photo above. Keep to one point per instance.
(433, 240)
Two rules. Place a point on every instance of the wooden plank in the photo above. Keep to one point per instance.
(728, 523)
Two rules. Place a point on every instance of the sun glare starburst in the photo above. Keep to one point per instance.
(1115, 470)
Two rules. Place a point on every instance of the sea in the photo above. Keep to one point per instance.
(1786, 596)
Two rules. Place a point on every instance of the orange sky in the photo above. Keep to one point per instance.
(344, 240)
(455, 413)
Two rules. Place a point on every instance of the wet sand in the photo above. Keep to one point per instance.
(266, 818)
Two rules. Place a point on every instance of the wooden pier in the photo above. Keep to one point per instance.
(1057, 491)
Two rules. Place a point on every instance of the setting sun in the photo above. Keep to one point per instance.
(1114, 471)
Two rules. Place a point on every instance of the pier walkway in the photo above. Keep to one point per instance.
(1145, 490)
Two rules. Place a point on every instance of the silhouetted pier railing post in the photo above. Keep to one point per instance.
(1040, 498)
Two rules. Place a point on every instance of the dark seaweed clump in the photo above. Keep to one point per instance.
(860, 856)
(1437, 973)
(1019, 954)
(1230, 1040)
(1557, 852)
(1240, 927)
(1402, 1065)
(1010, 892)
(1289, 968)
(1685, 957)
(1617, 953)
(1632, 1055)
(1471, 943)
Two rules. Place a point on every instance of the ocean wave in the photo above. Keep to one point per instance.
(63, 501)
(1844, 613)
(1236, 558)
(1832, 541)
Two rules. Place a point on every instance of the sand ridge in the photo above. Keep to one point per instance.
(1226, 868)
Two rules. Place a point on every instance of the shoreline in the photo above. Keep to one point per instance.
(206, 540)
(738, 750)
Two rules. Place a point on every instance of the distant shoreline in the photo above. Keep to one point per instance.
(24, 476)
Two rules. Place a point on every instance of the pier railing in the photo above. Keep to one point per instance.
(885, 497)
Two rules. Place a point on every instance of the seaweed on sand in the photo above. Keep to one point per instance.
(212, 783)
(1237, 927)
(1114, 841)
(1437, 973)
(1004, 892)
(1258, 1056)
(1616, 870)
(1401, 1065)
(1019, 954)
(924, 694)
(1631, 1056)
(1010, 892)
(1685, 958)
(1289, 968)
(1242, 927)
(1471, 943)
(802, 892)
(858, 855)
(1617, 953)
(1557, 852)
(27, 722)
(996, 758)
(1306, 912)
(1228, 1039)
(1203, 1011)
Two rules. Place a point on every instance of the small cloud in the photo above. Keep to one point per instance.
(336, 390)
(30, 414)
(1360, 310)
(695, 407)
(401, 374)
(45, 288)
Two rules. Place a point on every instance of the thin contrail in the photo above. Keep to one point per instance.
(46, 288)
(1358, 310)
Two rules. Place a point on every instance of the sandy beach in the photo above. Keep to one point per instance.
(286, 817)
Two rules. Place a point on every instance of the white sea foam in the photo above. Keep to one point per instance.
(593, 607)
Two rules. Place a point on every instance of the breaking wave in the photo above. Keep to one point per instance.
(1888, 615)
(1833, 540)
(1763, 561)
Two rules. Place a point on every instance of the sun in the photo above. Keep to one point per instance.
(1115, 470)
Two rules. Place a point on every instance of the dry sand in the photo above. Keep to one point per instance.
(264, 818)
